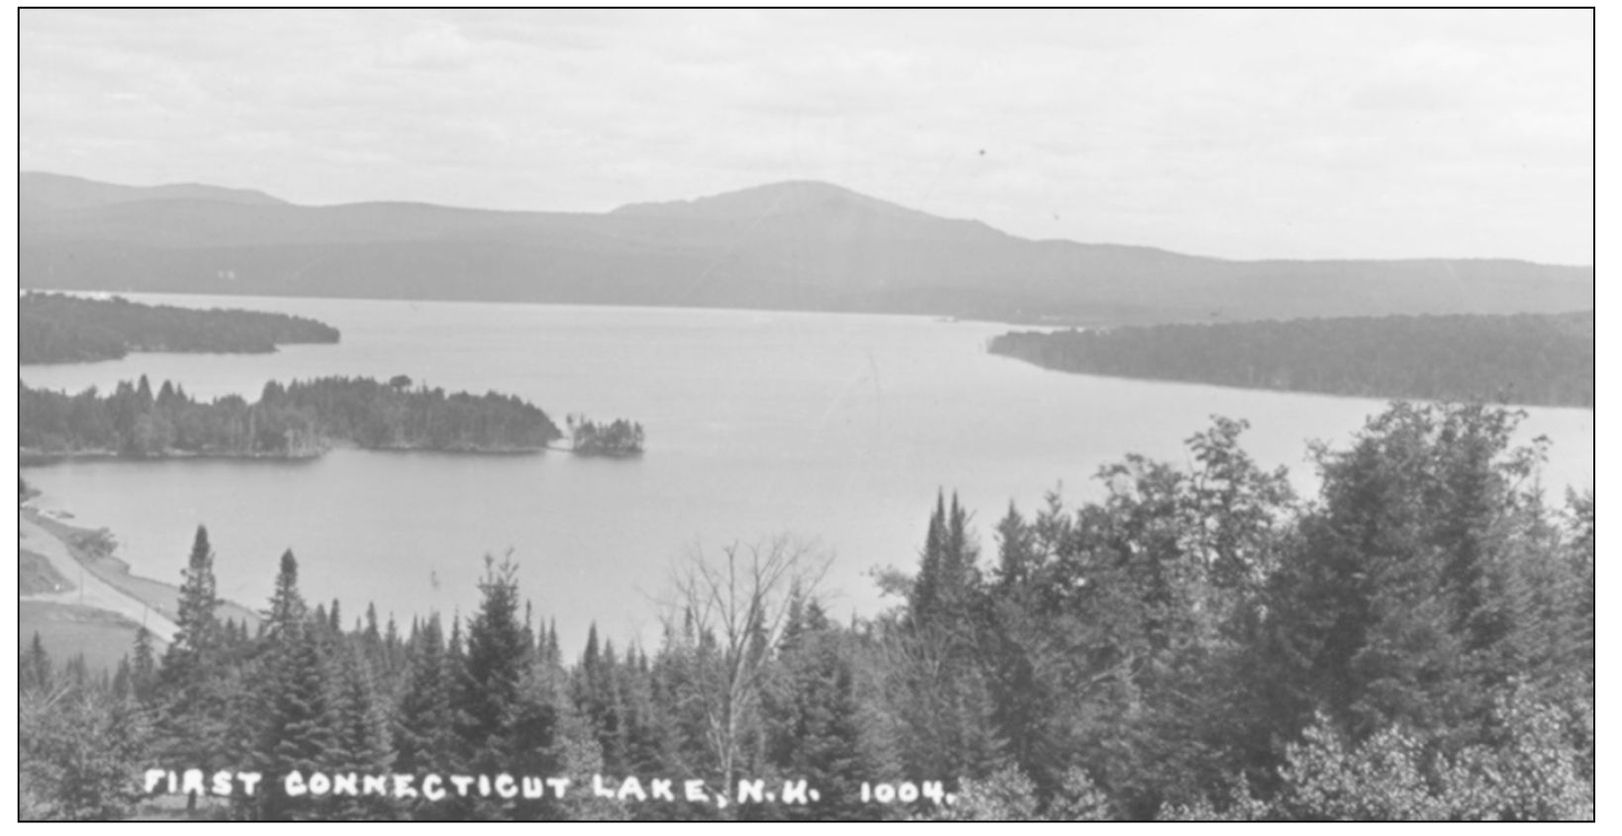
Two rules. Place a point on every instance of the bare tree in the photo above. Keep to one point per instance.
(727, 614)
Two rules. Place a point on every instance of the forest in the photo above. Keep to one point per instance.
(57, 328)
(616, 438)
(1415, 642)
(297, 420)
(1532, 359)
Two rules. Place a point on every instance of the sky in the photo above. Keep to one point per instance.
(1262, 134)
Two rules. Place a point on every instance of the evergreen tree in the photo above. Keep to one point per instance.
(940, 693)
(496, 663)
(35, 667)
(287, 611)
(371, 636)
(296, 727)
(197, 616)
(814, 729)
(144, 671)
(360, 737)
(392, 648)
(122, 687)
(196, 717)
(554, 652)
(422, 730)
(597, 698)
(1412, 597)
(298, 730)
(645, 736)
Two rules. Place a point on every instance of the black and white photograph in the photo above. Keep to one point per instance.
(806, 415)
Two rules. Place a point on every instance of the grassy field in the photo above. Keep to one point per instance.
(35, 575)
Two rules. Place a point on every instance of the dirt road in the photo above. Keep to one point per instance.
(92, 591)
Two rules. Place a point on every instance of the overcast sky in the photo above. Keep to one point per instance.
(1239, 134)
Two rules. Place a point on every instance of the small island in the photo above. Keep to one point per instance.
(1532, 359)
(301, 419)
(619, 438)
(57, 328)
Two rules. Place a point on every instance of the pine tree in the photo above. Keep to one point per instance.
(287, 610)
(646, 743)
(195, 719)
(813, 729)
(496, 664)
(297, 733)
(925, 602)
(596, 697)
(122, 686)
(295, 728)
(360, 741)
(554, 651)
(371, 636)
(422, 729)
(1412, 597)
(1016, 550)
(197, 616)
(935, 655)
(35, 667)
(391, 648)
(144, 671)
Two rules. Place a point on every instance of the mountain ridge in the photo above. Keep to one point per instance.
(66, 191)
(798, 245)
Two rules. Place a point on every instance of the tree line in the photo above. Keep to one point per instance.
(1537, 359)
(57, 328)
(299, 419)
(1417, 642)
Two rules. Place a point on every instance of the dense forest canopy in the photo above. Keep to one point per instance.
(56, 328)
(1535, 359)
(1416, 643)
(300, 419)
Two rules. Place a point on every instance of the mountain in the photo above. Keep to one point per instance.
(796, 245)
(59, 191)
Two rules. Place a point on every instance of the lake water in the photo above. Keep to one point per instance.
(833, 428)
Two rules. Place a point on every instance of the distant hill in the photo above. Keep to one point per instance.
(59, 191)
(796, 246)
(1534, 359)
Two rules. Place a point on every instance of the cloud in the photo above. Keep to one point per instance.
(1246, 134)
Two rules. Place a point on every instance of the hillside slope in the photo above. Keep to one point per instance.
(797, 245)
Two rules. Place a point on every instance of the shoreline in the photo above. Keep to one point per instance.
(159, 597)
(27, 457)
(1177, 381)
(85, 361)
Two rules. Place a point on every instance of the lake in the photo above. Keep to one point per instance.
(837, 429)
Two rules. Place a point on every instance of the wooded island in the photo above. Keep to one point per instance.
(299, 420)
(57, 328)
(617, 438)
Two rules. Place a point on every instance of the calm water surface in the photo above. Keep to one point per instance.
(834, 428)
